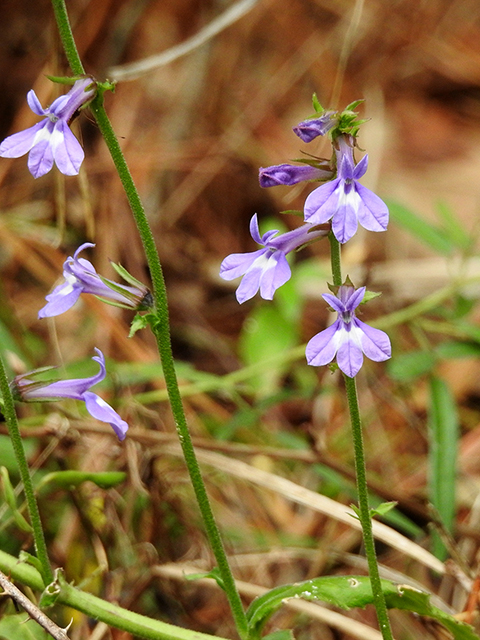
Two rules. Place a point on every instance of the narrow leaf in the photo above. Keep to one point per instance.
(432, 236)
(348, 593)
(69, 479)
(443, 436)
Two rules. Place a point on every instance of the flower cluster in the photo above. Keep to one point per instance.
(338, 206)
(47, 142)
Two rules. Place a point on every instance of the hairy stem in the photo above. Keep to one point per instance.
(32, 506)
(160, 324)
(361, 471)
(364, 510)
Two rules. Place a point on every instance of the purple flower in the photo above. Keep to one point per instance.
(81, 277)
(347, 338)
(51, 140)
(290, 174)
(310, 129)
(266, 269)
(27, 389)
(344, 200)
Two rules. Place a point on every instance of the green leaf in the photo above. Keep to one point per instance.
(349, 593)
(20, 627)
(383, 508)
(452, 350)
(283, 634)
(453, 227)
(370, 295)
(33, 561)
(408, 366)
(65, 79)
(432, 236)
(7, 489)
(10, 499)
(353, 105)
(139, 322)
(316, 104)
(411, 599)
(443, 434)
(70, 479)
(266, 333)
(214, 574)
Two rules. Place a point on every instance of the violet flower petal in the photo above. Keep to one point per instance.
(373, 212)
(321, 204)
(344, 220)
(350, 356)
(276, 274)
(101, 410)
(237, 264)
(375, 343)
(67, 151)
(34, 104)
(60, 300)
(321, 349)
(40, 158)
(250, 283)
(20, 143)
(289, 174)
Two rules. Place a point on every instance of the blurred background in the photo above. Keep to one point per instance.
(195, 131)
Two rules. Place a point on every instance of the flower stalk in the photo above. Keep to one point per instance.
(159, 321)
(364, 513)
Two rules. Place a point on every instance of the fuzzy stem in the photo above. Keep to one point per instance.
(32, 506)
(364, 510)
(335, 259)
(361, 471)
(160, 324)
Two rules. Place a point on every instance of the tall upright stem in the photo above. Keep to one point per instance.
(32, 506)
(364, 510)
(361, 472)
(160, 324)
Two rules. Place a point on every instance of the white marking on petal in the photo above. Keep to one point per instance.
(101, 403)
(42, 134)
(351, 199)
(262, 263)
(56, 138)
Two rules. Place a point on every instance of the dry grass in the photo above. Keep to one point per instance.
(194, 133)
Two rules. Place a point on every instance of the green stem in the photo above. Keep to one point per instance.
(335, 259)
(364, 509)
(160, 324)
(112, 614)
(32, 506)
(361, 472)
(66, 36)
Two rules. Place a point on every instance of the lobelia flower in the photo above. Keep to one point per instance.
(310, 129)
(347, 338)
(51, 140)
(27, 389)
(290, 174)
(266, 269)
(81, 277)
(344, 200)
